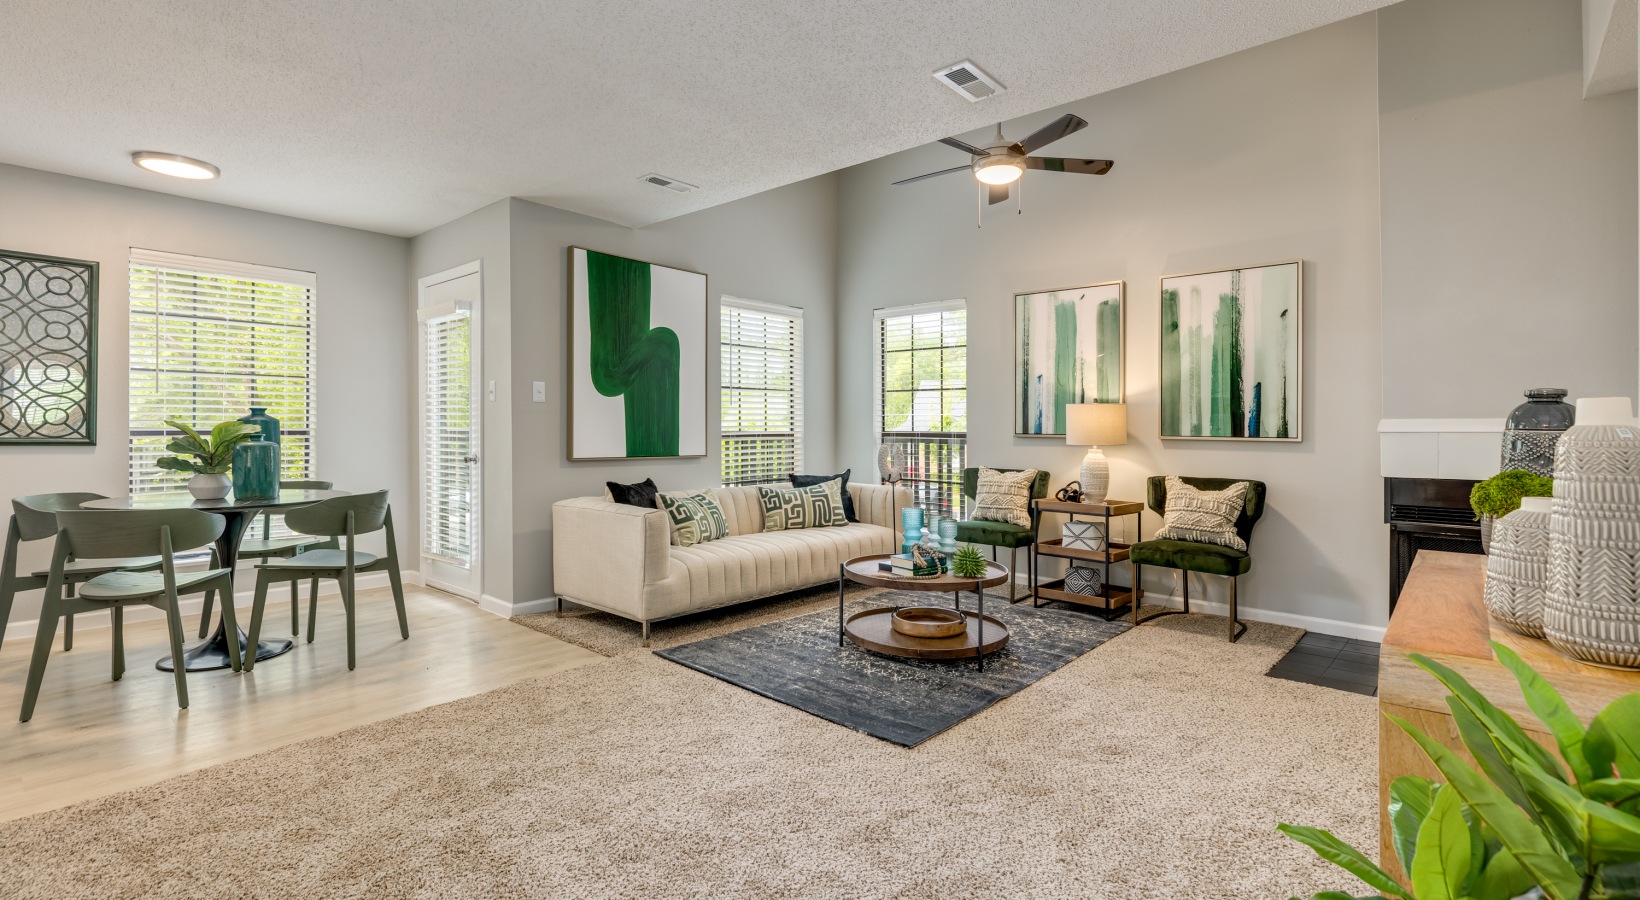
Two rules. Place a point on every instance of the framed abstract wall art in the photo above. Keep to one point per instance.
(1232, 366)
(1067, 349)
(48, 350)
(637, 359)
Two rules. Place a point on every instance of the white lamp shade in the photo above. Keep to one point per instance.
(1096, 424)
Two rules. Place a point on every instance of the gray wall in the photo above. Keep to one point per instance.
(778, 247)
(1508, 208)
(1264, 156)
(362, 370)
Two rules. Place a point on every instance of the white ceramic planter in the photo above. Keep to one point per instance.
(1517, 567)
(1592, 608)
(209, 487)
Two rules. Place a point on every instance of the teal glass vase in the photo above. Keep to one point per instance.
(269, 425)
(256, 470)
(911, 526)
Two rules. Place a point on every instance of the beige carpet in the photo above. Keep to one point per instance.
(1155, 767)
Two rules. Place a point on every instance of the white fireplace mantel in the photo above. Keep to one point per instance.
(1439, 448)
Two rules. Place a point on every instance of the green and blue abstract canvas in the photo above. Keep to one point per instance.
(1230, 354)
(639, 358)
(1067, 349)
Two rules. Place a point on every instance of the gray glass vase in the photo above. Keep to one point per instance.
(1533, 429)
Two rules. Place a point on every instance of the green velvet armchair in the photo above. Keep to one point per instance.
(1211, 559)
(1005, 534)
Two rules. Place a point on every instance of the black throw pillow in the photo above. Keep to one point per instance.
(811, 480)
(643, 494)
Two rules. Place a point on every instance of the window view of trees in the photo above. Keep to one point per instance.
(762, 394)
(923, 400)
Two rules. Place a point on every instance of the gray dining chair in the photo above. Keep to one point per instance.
(105, 534)
(270, 547)
(344, 518)
(34, 518)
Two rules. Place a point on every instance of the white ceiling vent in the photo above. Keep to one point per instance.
(969, 80)
(671, 184)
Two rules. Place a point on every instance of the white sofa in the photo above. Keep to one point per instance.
(620, 559)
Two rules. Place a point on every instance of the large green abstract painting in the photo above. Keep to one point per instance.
(1231, 367)
(638, 358)
(1067, 349)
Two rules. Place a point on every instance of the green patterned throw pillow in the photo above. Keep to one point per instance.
(816, 506)
(695, 517)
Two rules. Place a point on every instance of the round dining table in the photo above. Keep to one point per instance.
(213, 654)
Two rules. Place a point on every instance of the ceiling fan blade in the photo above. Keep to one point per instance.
(1066, 124)
(1081, 166)
(999, 193)
(969, 149)
(932, 174)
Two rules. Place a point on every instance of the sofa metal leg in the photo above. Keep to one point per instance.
(560, 607)
(646, 634)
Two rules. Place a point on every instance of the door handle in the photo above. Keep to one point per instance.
(469, 459)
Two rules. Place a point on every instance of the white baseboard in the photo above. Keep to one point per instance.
(507, 609)
(277, 597)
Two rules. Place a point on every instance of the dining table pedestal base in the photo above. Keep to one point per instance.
(213, 654)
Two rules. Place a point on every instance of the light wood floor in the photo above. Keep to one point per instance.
(91, 736)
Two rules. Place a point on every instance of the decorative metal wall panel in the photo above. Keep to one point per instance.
(48, 350)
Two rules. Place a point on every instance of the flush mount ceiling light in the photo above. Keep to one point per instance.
(175, 166)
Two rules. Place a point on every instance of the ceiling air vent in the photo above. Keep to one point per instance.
(969, 80)
(671, 184)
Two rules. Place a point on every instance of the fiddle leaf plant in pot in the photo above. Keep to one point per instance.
(1526, 823)
(1501, 494)
(212, 456)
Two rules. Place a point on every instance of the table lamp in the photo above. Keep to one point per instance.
(1095, 425)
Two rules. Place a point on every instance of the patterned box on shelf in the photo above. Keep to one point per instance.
(1083, 580)
(1592, 608)
(1088, 536)
(1517, 569)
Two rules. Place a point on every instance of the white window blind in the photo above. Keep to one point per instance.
(447, 436)
(922, 398)
(762, 375)
(208, 339)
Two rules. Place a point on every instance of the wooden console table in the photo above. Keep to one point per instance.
(1441, 615)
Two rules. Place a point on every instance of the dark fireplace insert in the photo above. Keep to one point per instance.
(1426, 514)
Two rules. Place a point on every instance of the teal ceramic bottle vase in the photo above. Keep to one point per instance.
(256, 469)
(911, 526)
(269, 425)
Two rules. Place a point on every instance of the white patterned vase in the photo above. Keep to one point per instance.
(1592, 608)
(1517, 568)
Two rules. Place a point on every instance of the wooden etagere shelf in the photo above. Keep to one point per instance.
(1112, 599)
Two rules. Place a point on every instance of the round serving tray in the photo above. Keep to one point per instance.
(929, 621)
(873, 630)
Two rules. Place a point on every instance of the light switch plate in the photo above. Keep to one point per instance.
(538, 391)
(492, 390)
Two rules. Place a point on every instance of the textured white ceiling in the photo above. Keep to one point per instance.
(399, 115)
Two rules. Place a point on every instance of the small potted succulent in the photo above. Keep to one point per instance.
(212, 456)
(1500, 495)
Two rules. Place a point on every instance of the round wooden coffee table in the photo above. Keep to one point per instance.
(872, 629)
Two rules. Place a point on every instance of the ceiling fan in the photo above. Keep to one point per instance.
(1002, 162)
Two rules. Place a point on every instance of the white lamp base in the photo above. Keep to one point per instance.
(1095, 476)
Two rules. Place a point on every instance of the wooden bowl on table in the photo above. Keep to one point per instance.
(929, 622)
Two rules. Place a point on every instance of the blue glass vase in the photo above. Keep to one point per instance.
(948, 536)
(911, 525)
(256, 470)
(269, 425)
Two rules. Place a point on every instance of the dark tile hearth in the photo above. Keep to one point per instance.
(1321, 659)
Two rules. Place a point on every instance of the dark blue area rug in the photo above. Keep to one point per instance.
(903, 701)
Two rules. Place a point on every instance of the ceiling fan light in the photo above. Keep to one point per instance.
(175, 166)
(999, 169)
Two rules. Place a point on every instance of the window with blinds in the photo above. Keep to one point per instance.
(447, 436)
(209, 339)
(762, 394)
(922, 399)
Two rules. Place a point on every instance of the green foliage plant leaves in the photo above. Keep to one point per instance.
(1344, 856)
(1623, 793)
(1490, 754)
(1614, 738)
(1503, 727)
(1609, 836)
(1410, 799)
(176, 464)
(1551, 709)
(1441, 869)
(1514, 829)
(1502, 879)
